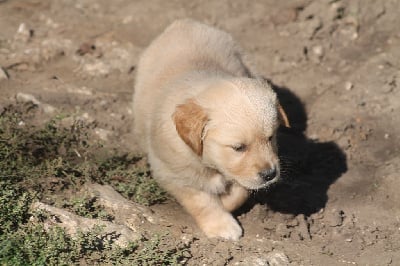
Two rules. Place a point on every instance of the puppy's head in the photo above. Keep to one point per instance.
(232, 126)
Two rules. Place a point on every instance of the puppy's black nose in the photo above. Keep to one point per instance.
(268, 174)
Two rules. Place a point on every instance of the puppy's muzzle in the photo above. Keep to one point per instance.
(268, 174)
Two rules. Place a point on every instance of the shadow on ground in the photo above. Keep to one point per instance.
(308, 167)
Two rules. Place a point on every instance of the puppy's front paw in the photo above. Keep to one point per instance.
(222, 225)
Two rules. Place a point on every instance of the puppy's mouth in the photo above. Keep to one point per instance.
(269, 183)
(256, 184)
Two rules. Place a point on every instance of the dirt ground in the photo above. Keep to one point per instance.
(335, 65)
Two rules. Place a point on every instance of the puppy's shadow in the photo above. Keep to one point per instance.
(308, 167)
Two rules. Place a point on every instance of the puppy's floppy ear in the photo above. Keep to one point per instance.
(283, 119)
(190, 120)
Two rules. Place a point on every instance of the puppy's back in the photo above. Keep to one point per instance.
(185, 46)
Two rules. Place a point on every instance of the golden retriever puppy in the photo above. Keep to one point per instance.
(208, 127)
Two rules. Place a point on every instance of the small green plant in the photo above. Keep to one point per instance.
(14, 206)
(40, 162)
(87, 207)
(33, 245)
(153, 252)
(131, 181)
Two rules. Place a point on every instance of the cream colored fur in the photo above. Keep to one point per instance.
(195, 102)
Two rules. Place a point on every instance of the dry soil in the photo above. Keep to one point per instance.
(335, 65)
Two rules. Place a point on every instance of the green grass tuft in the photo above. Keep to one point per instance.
(33, 245)
(87, 207)
(41, 161)
(132, 181)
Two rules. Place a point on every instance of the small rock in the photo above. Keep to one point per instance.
(127, 19)
(22, 67)
(316, 54)
(103, 133)
(362, 103)
(335, 218)
(386, 136)
(86, 48)
(348, 85)
(72, 223)
(318, 51)
(49, 109)
(23, 33)
(354, 36)
(256, 262)
(97, 69)
(24, 97)
(131, 214)
(83, 90)
(86, 117)
(187, 239)
(277, 258)
(319, 215)
(3, 74)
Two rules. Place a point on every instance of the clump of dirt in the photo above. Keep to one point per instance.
(335, 66)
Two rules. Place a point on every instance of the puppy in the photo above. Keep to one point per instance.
(207, 127)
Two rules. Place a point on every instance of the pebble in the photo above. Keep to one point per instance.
(49, 109)
(335, 218)
(127, 19)
(187, 239)
(103, 133)
(277, 258)
(354, 36)
(86, 48)
(24, 97)
(97, 69)
(319, 215)
(348, 85)
(3, 74)
(83, 90)
(318, 51)
(387, 88)
(316, 54)
(23, 33)
(273, 258)
(86, 117)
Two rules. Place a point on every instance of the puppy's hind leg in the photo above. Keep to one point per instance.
(234, 197)
(208, 212)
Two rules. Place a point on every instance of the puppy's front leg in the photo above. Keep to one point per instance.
(209, 213)
(234, 197)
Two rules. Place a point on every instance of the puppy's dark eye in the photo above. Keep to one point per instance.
(270, 138)
(239, 147)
